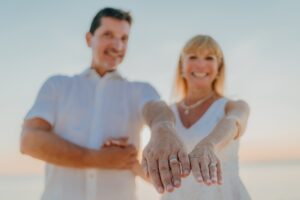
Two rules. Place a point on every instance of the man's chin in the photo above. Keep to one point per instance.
(112, 66)
(109, 68)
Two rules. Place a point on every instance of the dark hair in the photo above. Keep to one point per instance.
(109, 12)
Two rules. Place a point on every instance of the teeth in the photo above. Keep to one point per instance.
(199, 74)
(113, 54)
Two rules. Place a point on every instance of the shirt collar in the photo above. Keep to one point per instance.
(92, 74)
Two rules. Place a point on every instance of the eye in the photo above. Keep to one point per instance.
(192, 57)
(210, 58)
(125, 38)
(108, 34)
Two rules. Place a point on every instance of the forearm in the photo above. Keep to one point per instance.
(158, 112)
(162, 146)
(222, 135)
(238, 110)
(49, 147)
(231, 126)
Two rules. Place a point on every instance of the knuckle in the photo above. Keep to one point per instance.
(167, 179)
(182, 154)
(146, 151)
(176, 175)
(163, 168)
(205, 176)
(186, 166)
(152, 155)
(153, 171)
(205, 158)
(173, 164)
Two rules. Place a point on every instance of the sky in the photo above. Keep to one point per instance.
(260, 41)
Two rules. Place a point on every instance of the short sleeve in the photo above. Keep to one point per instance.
(45, 105)
(146, 93)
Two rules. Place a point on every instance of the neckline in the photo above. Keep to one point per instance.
(200, 120)
(91, 73)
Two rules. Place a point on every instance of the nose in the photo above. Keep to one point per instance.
(200, 62)
(118, 44)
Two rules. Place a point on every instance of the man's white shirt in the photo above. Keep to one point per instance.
(88, 109)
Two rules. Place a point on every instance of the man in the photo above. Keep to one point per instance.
(73, 117)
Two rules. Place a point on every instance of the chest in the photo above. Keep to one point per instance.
(90, 109)
(192, 129)
(188, 119)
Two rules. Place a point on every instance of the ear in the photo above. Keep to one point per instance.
(88, 38)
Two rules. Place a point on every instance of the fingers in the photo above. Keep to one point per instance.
(145, 167)
(219, 173)
(196, 171)
(185, 163)
(213, 172)
(175, 169)
(165, 174)
(122, 142)
(129, 156)
(154, 174)
(131, 151)
(205, 171)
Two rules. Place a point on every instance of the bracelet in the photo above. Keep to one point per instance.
(163, 122)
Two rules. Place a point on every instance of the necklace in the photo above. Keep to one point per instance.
(190, 107)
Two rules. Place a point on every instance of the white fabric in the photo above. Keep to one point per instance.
(87, 109)
(232, 188)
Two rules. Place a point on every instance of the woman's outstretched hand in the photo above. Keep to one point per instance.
(206, 166)
(165, 160)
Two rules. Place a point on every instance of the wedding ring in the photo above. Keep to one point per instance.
(173, 159)
(212, 164)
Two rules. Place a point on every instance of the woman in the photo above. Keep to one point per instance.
(213, 149)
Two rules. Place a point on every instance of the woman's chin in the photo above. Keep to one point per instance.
(201, 86)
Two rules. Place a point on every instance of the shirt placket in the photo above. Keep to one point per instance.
(95, 140)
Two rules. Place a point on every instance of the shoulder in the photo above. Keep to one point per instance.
(236, 104)
(143, 87)
(58, 82)
(140, 84)
(58, 79)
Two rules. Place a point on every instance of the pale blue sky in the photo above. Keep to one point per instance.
(260, 41)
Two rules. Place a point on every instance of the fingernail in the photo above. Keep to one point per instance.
(160, 190)
(186, 172)
(208, 182)
(177, 183)
(200, 179)
(169, 188)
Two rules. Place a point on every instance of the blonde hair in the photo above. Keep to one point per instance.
(199, 44)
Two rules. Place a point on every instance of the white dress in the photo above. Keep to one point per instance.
(232, 187)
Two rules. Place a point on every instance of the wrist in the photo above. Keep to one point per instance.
(207, 143)
(162, 125)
